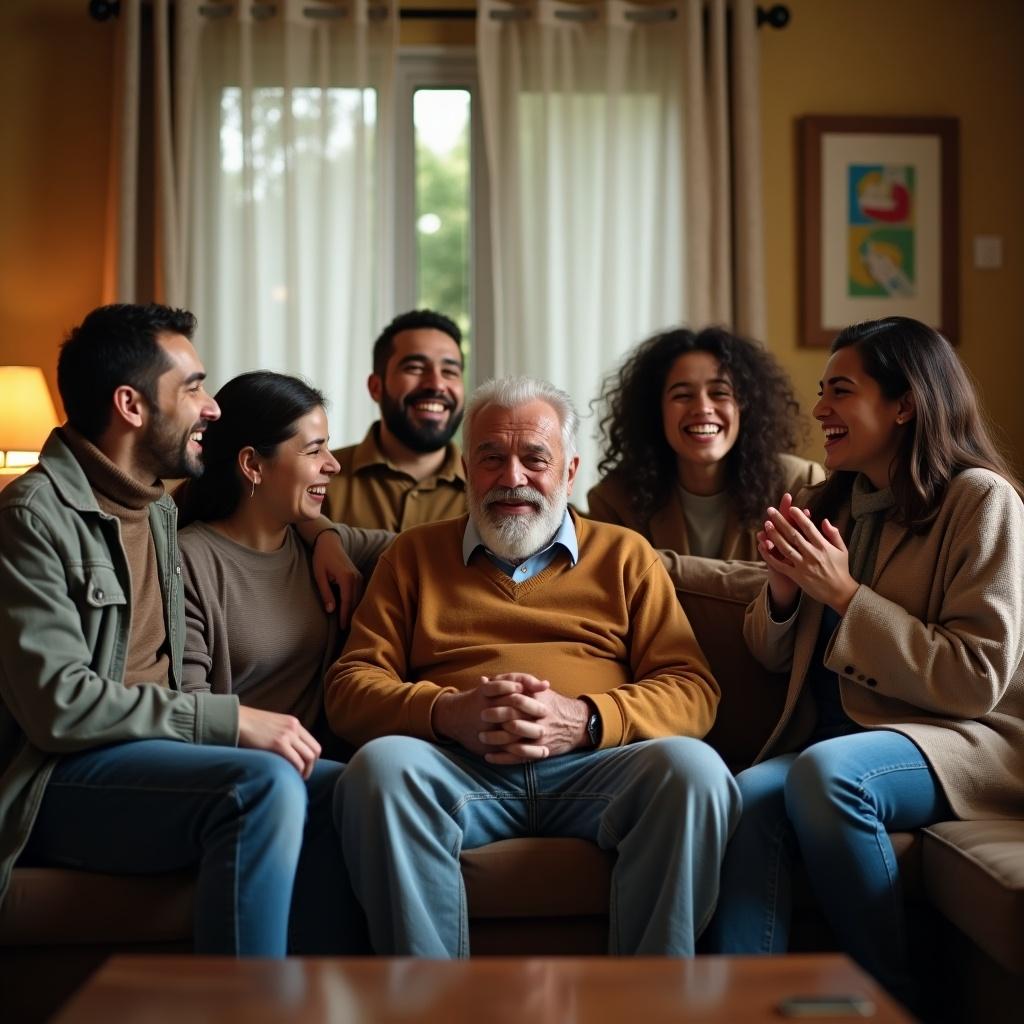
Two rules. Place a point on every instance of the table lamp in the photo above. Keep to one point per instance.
(27, 416)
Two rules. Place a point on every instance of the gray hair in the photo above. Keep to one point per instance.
(512, 392)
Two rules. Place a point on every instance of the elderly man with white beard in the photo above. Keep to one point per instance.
(521, 671)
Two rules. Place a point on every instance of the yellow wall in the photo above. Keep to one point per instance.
(958, 58)
(54, 76)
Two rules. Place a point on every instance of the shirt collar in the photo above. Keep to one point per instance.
(368, 453)
(565, 535)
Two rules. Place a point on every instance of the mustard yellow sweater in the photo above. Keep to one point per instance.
(609, 627)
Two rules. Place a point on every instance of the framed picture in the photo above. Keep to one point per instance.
(880, 222)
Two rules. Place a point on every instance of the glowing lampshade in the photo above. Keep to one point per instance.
(27, 416)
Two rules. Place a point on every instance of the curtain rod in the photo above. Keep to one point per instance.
(777, 16)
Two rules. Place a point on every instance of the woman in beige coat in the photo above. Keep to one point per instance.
(895, 598)
(695, 427)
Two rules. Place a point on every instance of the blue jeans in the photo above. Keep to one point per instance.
(407, 808)
(255, 830)
(835, 802)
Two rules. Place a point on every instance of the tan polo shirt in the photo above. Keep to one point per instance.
(370, 492)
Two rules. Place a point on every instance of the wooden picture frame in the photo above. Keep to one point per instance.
(879, 231)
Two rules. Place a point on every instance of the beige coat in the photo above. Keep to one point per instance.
(931, 649)
(609, 502)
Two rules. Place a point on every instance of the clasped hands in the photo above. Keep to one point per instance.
(800, 557)
(512, 718)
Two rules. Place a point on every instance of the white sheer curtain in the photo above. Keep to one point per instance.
(623, 155)
(273, 192)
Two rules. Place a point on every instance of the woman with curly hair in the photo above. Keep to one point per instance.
(696, 479)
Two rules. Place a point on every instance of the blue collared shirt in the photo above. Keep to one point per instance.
(564, 537)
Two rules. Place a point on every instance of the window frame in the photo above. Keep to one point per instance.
(440, 67)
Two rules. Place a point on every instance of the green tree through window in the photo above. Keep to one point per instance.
(443, 223)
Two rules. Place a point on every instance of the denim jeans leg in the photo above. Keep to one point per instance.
(843, 796)
(156, 805)
(755, 902)
(406, 808)
(326, 919)
(667, 807)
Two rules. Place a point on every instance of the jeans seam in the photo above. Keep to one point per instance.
(894, 879)
(463, 923)
(530, 778)
(613, 917)
(607, 830)
(595, 795)
(118, 786)
(874, 773)
(771, 910)
(884, 845)
(468, 798)
(236, 870)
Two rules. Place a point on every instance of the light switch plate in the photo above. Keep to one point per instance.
(988, 252)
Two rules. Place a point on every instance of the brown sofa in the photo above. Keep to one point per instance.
(964, 881)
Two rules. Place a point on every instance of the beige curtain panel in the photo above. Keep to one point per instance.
(251, 183)
(623, 152)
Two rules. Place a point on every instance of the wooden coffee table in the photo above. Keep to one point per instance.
(485, 990)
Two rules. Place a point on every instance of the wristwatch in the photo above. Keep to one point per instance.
(594, 729)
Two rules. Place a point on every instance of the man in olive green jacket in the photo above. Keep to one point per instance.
(104, 763)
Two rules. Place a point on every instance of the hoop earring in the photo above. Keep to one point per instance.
(252, 493)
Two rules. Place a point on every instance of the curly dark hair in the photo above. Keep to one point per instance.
(633, 439)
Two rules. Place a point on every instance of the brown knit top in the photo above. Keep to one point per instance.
(128, 500)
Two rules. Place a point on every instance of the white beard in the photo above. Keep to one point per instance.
(516, 538)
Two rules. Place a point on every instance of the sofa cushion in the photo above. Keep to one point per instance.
(61, 906)
(974, 874)
(537, 877)
(548, 877)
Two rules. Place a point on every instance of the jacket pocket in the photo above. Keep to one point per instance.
(102, 587)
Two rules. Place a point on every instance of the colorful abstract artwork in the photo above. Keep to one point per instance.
(880, 230)
(879, 222)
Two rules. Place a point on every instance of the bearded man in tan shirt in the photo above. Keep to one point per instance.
(407, 470)
(523, 671)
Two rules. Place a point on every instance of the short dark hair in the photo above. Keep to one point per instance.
(634, 446)
(416, 319)
(113, 346)
(948, 432)
(258, 410)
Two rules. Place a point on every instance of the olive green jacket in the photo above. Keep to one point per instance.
(65, 622)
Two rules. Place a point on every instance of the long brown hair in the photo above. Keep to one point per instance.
(948, 433)
(259, 409)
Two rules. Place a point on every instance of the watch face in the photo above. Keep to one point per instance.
(594, 728)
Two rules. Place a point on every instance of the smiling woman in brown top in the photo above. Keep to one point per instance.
(255, 625)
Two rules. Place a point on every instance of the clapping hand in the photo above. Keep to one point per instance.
(799, 557)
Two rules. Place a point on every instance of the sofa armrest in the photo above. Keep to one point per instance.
(974, 874)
